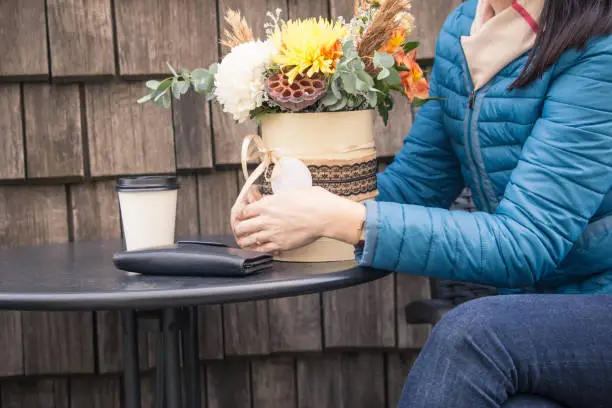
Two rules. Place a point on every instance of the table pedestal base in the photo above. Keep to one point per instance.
(178, 365)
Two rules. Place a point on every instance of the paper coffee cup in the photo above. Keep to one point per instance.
(148, 211)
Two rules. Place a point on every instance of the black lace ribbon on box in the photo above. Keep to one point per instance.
(345, 180)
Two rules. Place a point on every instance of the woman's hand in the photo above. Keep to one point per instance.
(290, 220)
(253, 195)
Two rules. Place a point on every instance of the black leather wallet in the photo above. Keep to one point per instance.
(193, 258)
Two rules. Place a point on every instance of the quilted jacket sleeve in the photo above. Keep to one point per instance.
(426, 170)
(565, 170)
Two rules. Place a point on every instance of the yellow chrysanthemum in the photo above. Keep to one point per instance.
(395, 42)
(308, 46)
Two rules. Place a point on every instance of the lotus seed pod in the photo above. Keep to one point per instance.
(303, 92)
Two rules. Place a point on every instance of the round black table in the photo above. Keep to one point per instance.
(81, 276)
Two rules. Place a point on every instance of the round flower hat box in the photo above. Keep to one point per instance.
(339, 152)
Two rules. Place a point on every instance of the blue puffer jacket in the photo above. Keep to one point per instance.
(538, 161)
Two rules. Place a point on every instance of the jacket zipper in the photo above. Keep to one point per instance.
(469, 144)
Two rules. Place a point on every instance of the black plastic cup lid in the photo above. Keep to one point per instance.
(147, 183)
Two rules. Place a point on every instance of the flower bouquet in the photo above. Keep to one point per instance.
(313, 85)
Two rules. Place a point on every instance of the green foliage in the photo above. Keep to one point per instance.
(201, 80)
(410, 46)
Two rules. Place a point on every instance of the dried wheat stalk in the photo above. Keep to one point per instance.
(381, 30)
(239, 31)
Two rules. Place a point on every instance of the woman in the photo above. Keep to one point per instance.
(526, 123)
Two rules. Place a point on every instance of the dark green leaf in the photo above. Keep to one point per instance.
(394, 78)
(410, 45)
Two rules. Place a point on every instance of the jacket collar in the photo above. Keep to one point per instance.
(495, 43)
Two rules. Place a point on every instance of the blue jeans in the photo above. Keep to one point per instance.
(515, 351)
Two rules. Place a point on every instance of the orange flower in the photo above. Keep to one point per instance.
(333, 53)
(414, 83)
(394, 44)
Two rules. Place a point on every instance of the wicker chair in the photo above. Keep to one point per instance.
(446, 294)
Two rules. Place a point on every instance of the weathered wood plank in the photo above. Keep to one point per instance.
(398, 366)
(153, 32)
(94, 392)
(81, 38)
(429, 18)
(35, 393)
(28, 216)
(95, 215)
(344, 8)
(226, 132)
(319, 381)
(304, 9)
(330, 381)
(363, 368)
(95, 211)
(295, 324)
(11, 128)
(246, 327)
(389, 139)
(11, 346)
(409, 288)
(192, 132)
(110, 346)
(187, 224)
(32, 215)
(54, 145)
(210, 328)
(274, 384)
(24, 38)
(217, 193)
(228, 384)
(58, 343)
(360, 316)
(228, 135)
(139, 137)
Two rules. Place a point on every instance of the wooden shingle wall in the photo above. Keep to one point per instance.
(70, 73)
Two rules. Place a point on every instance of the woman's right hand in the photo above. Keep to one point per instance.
(253, 195)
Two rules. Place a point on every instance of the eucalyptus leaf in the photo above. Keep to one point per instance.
(339, 105)
(384, 73)
(145, 98)
(165, 100)
(383, 60)
(330, 99)
(365, 77)
(179, 88)
(361, 85)
(372, 98)
(171, 69)
(152, 84)
(335, 88)
(349, 81)
(213, 68)
(199, 73)
(394, 78)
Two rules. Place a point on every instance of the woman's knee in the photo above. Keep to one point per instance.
(472, 319)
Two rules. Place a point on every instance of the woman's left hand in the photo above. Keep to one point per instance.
(290, 220)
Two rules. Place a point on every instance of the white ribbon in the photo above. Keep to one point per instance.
(269, 156)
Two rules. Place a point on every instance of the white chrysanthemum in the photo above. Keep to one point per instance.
(239, 81)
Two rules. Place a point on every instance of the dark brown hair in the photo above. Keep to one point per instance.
(564, 24)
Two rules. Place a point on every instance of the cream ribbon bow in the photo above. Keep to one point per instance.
(269, 156)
